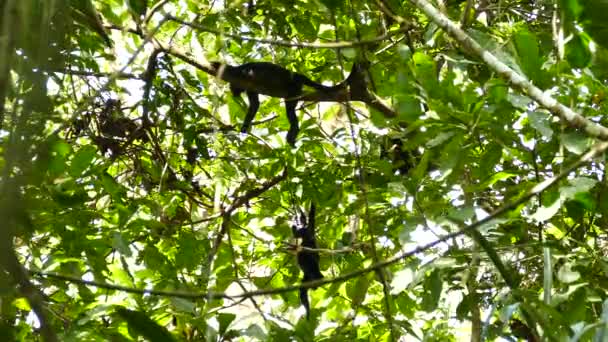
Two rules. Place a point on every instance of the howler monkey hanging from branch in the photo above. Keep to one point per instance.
(307, 260)
(270, 79)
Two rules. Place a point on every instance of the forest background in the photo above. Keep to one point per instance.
(465, 199)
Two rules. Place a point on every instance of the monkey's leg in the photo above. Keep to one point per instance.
(294, 127)
(254, 104)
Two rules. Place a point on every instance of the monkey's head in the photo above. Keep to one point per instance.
(219, 68)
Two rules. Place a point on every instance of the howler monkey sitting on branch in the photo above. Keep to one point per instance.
(270, 79)
(307, 260)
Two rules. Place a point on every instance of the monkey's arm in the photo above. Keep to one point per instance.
(254, 104)
(294, 126)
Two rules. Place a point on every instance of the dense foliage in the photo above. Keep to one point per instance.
(133, 208)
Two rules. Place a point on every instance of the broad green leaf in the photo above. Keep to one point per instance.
(426, 73)
(137, 7)
(225, 319)
(594, 20)
(576, 142)
(497, 177)
(577, 185)
(433, 285)
(120, 244)
(544, 213)
(82, 160)
(409, 108)
(359, 290)
(526, 44)
(401, 280)
(566, 273)
(541, 121)
(143, 325)
(577, 52)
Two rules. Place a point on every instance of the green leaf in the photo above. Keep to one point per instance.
(426, 73)
(225, 319)
(488, 161)
(497, 177)
(82, 160)
(184, 305)
(120, 244)
(526, 44)
(59, 153)
(110, 185)
(465, 305)
(409, 108)
(462, 214)
(401, 280)
(433, 285)
(576, 142)
(450, 157)
(305, 26)
(577, 52)
(332, 5)
(137, 7)
(544, 213)
(142, 325)
(571, 8)
(577, 186)
(541, 121)
(84, 12)
(575, 211)
(593, 18)
(440, 139)
(566, 273)
(358, 290)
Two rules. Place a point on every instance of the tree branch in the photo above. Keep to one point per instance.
(565, 113)
(237, 203)
(333, 45)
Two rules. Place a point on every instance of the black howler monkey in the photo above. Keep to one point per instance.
(308, 261)
(268, 79)
(401, 158)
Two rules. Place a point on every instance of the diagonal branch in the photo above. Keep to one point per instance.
(519, 81)
(237, 203)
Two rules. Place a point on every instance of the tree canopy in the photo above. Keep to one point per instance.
(459, 178)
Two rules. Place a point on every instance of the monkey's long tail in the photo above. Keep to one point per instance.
(304, 301)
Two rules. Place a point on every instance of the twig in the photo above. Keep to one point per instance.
(334, 45)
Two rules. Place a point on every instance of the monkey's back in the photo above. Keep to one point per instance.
(271, 79)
